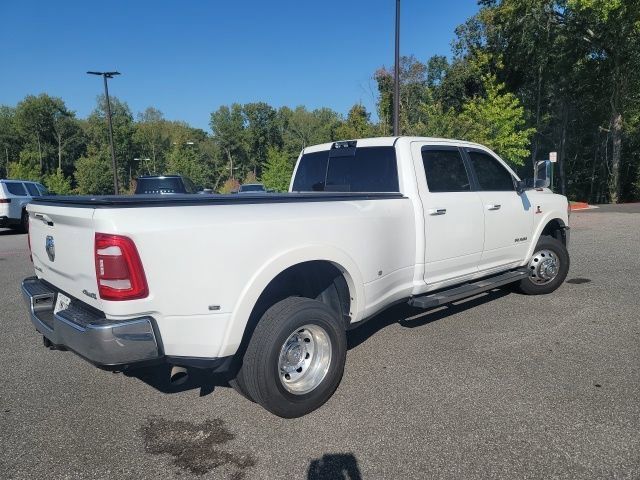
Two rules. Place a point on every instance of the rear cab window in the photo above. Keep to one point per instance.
(348, 168)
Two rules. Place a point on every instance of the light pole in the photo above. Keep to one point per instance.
(105, 76)
(396, 76)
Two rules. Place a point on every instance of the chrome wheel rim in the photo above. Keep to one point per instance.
(543, 267)
(304, 359)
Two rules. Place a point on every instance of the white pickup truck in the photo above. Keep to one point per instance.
(264, 287)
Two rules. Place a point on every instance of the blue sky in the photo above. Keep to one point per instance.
(188, 57)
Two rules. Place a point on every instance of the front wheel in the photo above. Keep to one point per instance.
(295, 358)
(548, 267)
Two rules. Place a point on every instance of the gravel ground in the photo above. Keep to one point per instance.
(500, 386)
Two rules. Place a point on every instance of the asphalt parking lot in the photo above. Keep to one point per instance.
(500, 386)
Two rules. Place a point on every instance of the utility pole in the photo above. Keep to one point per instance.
(396, 76)
(105, 76)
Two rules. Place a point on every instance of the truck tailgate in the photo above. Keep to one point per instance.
(68, 261)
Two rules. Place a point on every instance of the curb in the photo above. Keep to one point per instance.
(579, 206)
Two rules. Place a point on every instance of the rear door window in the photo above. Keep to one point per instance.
(491, 174)
(445, 170)
(362, 169)
(33, 191)
(16, 188)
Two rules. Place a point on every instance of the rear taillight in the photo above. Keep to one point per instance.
(118, 268)
(5, 200)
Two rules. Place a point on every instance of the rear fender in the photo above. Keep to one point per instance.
(270, 270)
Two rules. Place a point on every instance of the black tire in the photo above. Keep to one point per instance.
(528, 285)
(238, 384)
(260, 374)
(24, 221)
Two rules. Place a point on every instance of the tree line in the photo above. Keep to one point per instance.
(525, 77)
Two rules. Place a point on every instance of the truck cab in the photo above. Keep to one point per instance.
(472, 213)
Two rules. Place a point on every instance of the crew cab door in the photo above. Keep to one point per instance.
(454, 221)
(508, 216)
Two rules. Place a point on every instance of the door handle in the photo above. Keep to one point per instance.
(493, 207)
(437, 211)
(45, 218)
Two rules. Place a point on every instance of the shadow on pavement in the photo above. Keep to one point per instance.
(158, 377)
(409, 317)
(343, 466)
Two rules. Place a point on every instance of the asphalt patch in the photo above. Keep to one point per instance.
(195, 447)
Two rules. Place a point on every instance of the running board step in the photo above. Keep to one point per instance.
(467, 290)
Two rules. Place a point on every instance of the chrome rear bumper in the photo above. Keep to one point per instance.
(87, 332)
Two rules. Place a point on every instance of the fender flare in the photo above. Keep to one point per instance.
(278, 264)
(546, 219)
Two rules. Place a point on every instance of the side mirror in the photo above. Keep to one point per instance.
(521, 186)
(542, 174)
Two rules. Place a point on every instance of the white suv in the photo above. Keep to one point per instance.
(14, 196)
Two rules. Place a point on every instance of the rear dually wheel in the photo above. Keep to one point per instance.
(295, 358)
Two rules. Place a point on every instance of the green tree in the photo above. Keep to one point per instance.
(94, 175)
(497, 121)
(228, 127)
(70, 139)
(186, 160)
(10, 141)
(301, 127)
(57, 183)
(125, 147)
(230, 185)
(35, 120)
(152, 133)
(357, 124)
(250, 178)
(261, 132)
(27, 168)
(277, 171)
(611, 28)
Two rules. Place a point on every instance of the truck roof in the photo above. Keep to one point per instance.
(390, 141)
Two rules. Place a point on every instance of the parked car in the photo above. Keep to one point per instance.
(164, 185)
(14, 197)
(252, 188)
(265, 287)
